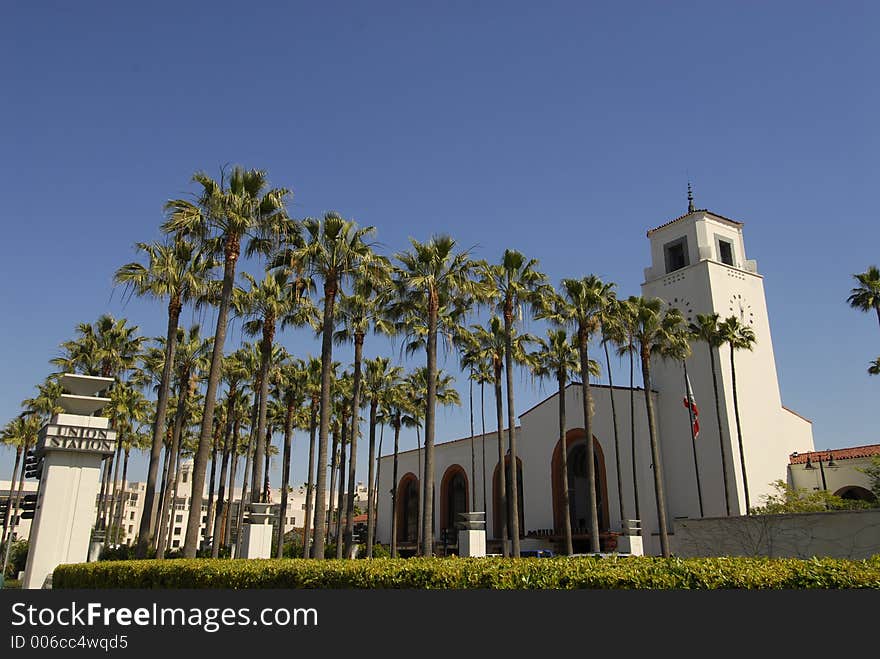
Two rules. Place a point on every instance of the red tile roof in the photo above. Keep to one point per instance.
(837, 453)
(699, 210)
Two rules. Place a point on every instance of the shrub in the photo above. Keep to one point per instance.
(613, 572)
(17, 558)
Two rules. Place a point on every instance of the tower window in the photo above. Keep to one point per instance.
(725, 251)
(676, 255)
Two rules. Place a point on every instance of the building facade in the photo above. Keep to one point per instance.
(699, 266)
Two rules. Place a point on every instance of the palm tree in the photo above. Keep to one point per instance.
(141, 441)
(223, 214)
(432, 279)
(234, 374)
(334, 250)
(874, 367)
(177, 272)
(190, 361)
(579, 307)
(482, 374)
(290, 389)
(127, 408)
(108, 348)
(706, 330)
(490, 346)
(264, 305)
(400, 408)
(514, 282)
(21, 434)
(313, 391)
(627, 346)
(866, 296)
(612, 330)
(556, 358)
(679, 349)
(363, 309)
(738, 337)
(379, 378)
(654, 331)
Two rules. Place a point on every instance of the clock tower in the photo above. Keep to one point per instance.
(699, 265)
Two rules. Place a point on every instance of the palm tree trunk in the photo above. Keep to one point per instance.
(371, 489)
(9, 513)
(102, 500)
(616, 438)
(171, 514)
(501, 510)
(172, 473)
(473, 448)
(120, 511)
(394, 487)
(511, 435)
(285, 479)
(431, 399)
(266, 358)
(147, 524)
(324, 428)
(110, 511)
(310, 482)
(687, 389)
(217, 525)
(720, 433)
(209, 517)
(200, 462)
(15, 504)
(334, 462)
(340, 502)
(583, 342)
(374, 502)
(355, 431)
(739, 438)
(483, 442)
(566, 504)
(266, 456)
(233, 473)
(659, 492)
(632, 425)
(154, 523)
(244, 488)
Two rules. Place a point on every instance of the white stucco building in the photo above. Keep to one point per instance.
(699, 265)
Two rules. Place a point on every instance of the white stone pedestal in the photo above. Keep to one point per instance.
(256, 541)
(471, 543)
(630, 544)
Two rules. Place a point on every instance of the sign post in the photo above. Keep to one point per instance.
(70, 450)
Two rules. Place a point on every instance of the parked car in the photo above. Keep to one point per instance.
(536, 553)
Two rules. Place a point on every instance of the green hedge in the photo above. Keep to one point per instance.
(491, 573)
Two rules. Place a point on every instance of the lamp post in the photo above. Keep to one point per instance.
(831, 465)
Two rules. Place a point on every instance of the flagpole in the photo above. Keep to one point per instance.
(688, 398)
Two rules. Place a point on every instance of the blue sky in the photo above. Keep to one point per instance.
(562, 129)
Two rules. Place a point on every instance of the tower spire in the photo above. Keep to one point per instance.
(690, 198)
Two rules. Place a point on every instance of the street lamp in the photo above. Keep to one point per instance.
(831, 465)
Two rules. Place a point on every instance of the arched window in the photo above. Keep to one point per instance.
(453, 498)
(408, 509)
(578, 490)
(496, 498)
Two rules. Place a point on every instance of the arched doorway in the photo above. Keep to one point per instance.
(855, 493)
(408, 508)
(496, 497)
(453, 498)
(578, 492)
